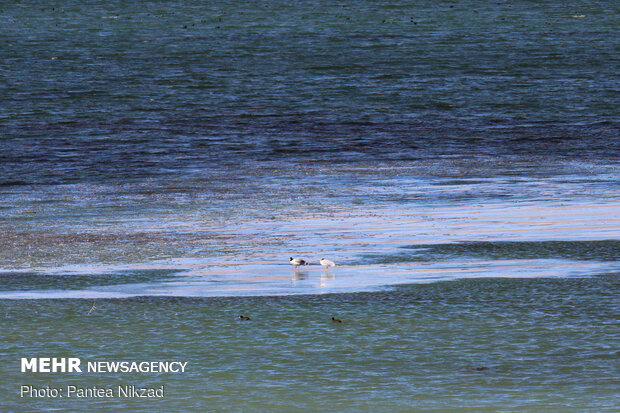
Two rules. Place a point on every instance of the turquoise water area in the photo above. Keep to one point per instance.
(468, 345)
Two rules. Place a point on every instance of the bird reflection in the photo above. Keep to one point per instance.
(298, 276)
(326, 277)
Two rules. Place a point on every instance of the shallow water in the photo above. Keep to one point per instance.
(194, 254)
(459, 163)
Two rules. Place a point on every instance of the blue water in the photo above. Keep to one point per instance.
(117, 92)
(171, 156)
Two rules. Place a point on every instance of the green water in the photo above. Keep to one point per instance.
(467, 345)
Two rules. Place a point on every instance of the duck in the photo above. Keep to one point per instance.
(244, 318)
(336, 320)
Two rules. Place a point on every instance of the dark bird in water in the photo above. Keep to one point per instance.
(297, 262)
(243, 318)
(335, 320)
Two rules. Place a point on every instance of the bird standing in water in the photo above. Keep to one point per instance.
(297, 262)
(327, 263)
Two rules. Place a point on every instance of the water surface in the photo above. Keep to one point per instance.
(458, 161)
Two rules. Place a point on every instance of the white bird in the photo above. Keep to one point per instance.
(327, 263)
(297, 262)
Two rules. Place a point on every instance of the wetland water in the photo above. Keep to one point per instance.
(160, 164)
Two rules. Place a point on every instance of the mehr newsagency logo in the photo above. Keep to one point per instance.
(55, 365)
(74, 365)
